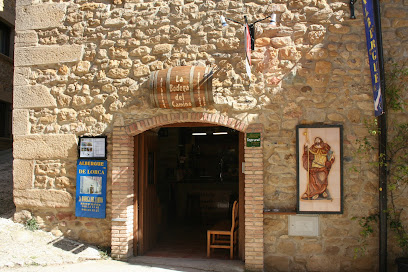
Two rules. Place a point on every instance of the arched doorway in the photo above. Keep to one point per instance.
(187, 176)
(123, 189)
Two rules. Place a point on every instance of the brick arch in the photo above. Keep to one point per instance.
(122, 164)
(195, 117)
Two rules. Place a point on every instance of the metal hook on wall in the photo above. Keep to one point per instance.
(352, 2)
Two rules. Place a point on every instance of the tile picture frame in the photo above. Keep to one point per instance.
(319, 157)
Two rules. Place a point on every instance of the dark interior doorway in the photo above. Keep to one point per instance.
(188, 179)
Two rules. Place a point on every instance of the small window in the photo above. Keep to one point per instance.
(5, 32)
(5, 119)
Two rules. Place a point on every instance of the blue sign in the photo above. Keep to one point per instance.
(371, 39)
(91, 188)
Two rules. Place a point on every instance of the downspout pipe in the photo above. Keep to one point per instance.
(382, 125)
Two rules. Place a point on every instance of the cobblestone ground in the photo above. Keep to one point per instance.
(22, 247)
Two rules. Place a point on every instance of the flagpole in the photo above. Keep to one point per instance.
(382, 125)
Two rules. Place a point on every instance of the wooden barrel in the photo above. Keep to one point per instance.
(181, 87)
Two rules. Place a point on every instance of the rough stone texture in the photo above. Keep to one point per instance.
(40, 16)
(41, 55)
(37, 198)
(33, 96)
(21, 123)
(309, 68)
(277, 263)
(32, 147)
(21, 76)
(26, 38)
(23, 171)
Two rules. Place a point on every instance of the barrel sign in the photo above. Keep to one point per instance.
(181, 87)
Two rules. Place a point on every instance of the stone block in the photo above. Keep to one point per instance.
(27, 56)
(317, 53)
(315, 115)
(39, 198)
(82, 67)
(33, 96)
(322, 263)
(289, 53)
(399, 23)
(402, 32)
(395, 13)
(323, 67)
(27, 2)
(118, 73)
(336, 117)
(142, 70)
(21, 124)
(277, 263)
(279, 42)
(262, 41)
(162, 49)
(26, 38)
(23, 174)
(339, 29)
(286, 247)
(354, 115)
(115, 22)
(52, 146)
(40, 16)
(21, 75)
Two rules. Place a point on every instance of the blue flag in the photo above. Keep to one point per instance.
(372, 49)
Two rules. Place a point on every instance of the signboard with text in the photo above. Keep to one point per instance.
(90, 198)
(92, 148)
(253, 139)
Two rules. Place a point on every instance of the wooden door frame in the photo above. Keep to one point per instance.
(139, 175)
(241, 197)
(139, 172)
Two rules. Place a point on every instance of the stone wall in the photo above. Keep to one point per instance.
(82, 67)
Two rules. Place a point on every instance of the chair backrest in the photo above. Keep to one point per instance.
(235, 221)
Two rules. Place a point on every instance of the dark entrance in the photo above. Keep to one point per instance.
(188, 176)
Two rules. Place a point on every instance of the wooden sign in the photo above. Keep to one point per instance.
(181, 87)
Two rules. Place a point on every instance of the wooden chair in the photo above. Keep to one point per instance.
(224, 234)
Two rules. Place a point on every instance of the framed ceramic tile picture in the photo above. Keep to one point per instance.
(319, 168)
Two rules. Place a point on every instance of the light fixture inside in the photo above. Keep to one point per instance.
(220, 133)
(199, 133)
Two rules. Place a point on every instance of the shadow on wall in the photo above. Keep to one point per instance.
(7, 207)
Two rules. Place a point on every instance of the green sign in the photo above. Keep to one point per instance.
(253, 139)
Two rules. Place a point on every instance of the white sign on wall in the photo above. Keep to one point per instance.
(303, 225)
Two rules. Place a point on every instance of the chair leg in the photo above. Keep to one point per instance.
(232, 246)
(208, 243)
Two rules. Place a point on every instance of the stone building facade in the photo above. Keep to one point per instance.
(83, 67)
(7, 18)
